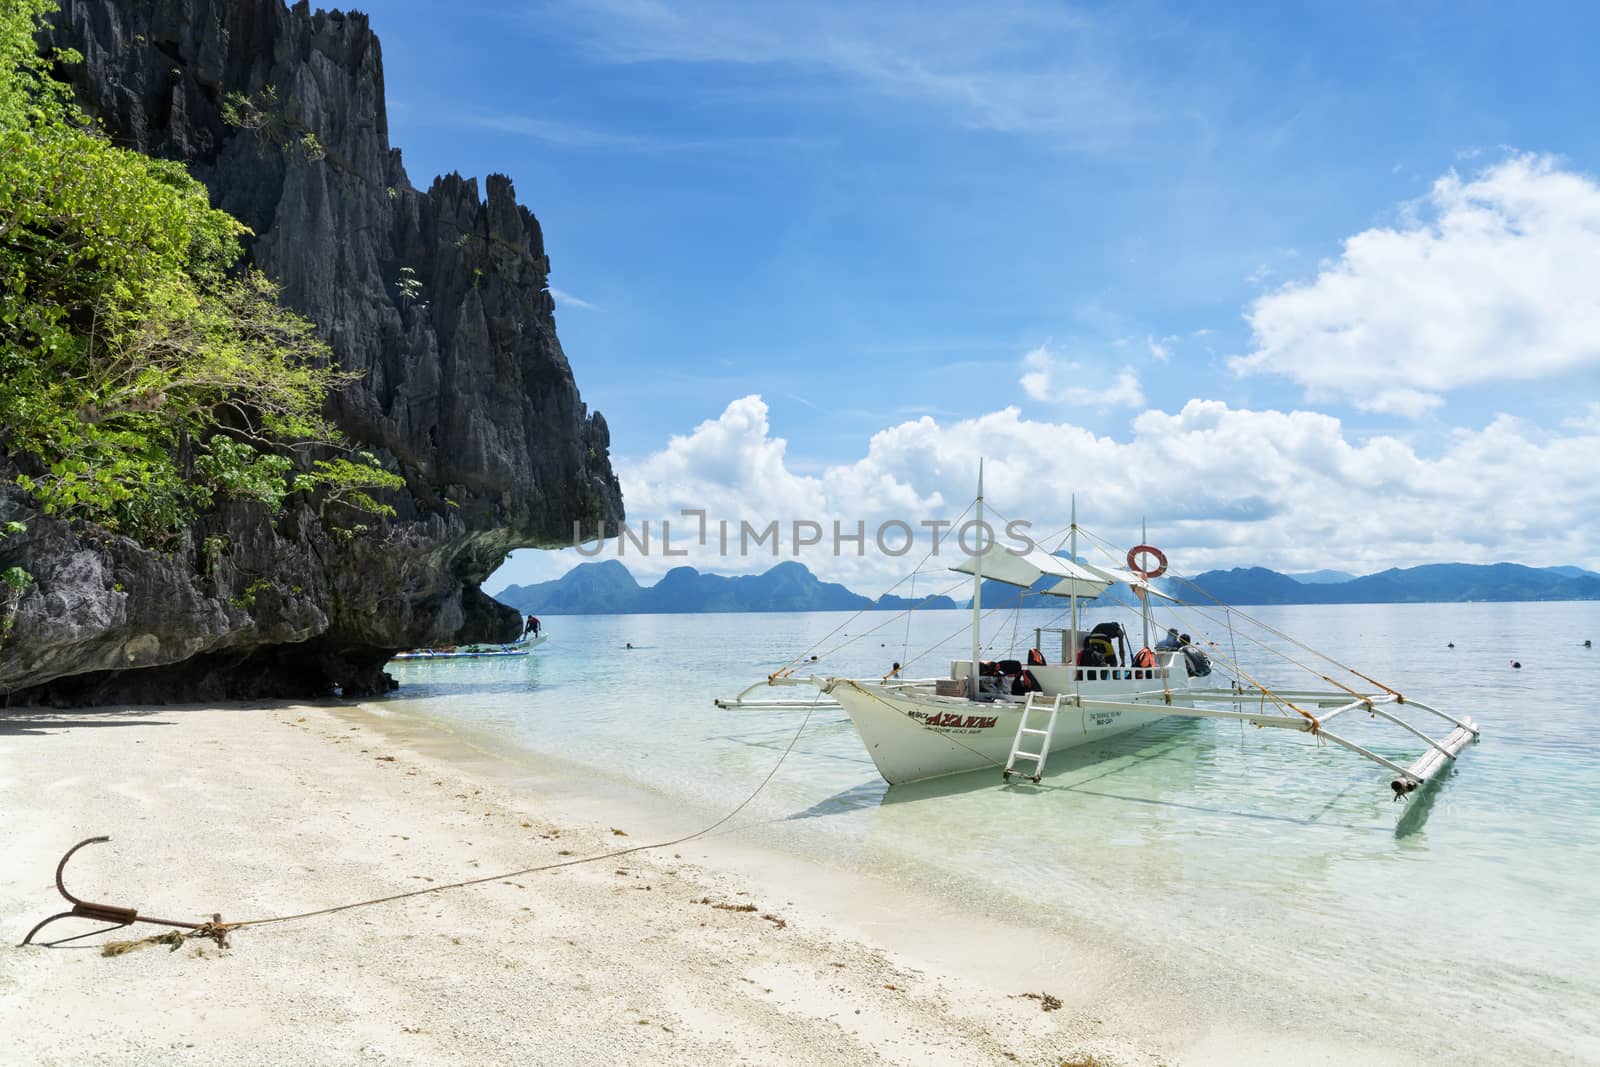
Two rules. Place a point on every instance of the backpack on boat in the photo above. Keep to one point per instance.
(1198, 662)
(1024, 683)
(1102, 644)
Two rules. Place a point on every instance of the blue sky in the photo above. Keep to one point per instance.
(1090, 214)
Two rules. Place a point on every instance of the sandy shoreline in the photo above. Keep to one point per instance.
(255, 811)
(260, 811)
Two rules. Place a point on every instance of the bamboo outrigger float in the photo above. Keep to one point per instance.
(1011, 716)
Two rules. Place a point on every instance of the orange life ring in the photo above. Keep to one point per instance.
(1139, 550)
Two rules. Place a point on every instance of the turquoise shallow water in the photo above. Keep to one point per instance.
(1253, 857)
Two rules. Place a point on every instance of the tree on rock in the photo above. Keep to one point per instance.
(142, 376)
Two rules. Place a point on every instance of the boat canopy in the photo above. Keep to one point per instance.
(1026, 569)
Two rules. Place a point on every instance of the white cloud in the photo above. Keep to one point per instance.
(727, 465)
(1488, 279)
(1038, 374)
(1020, 67)
(551, 131)
(1220, 487)
(1124, 392)
(1588, 422)
(580, 136)
(1046, 377)
(566, 299)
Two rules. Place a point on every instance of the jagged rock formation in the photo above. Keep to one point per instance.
(437, 300)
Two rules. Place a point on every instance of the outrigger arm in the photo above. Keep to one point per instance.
(742, 703)
(1407, 779)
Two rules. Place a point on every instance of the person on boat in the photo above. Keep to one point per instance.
(1172, 642)
(1196, 661)
(532, 627)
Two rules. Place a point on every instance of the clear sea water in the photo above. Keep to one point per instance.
(1252, 859)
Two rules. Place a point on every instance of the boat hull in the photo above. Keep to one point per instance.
(913, 734)
(515, 648)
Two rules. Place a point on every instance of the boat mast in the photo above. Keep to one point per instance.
(1072, 551)
(1144, 594)
(977, 587)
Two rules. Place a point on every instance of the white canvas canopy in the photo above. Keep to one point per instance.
(1026, 569)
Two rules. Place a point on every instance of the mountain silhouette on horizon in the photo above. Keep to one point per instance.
(608, 588)
(1428, 583)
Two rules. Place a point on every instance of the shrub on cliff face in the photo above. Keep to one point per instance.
(140, 377)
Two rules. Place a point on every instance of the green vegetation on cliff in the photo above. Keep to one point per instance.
(141, 376)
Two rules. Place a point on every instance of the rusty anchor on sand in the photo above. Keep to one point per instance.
(106, 912)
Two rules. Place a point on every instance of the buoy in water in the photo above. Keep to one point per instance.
(1515, 665)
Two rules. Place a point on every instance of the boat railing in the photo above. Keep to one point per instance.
(1118, 674)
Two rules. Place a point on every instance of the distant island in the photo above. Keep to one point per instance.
(1430, 583)
(609, 588)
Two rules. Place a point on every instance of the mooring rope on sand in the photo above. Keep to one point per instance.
(216, 929)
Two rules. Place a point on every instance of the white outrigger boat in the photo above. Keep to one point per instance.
(520, 647)
(1011, 715)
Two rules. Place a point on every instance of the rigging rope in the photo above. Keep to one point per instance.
(217, 929)
(1233, 664)
(788, 668)
(1269, 628)
(905, 644)
(874, 629)
(1229, 610)
(964, 628)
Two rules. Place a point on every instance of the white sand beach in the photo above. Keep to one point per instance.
(667, 955)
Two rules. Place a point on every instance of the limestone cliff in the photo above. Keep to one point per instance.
(436, 299)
